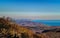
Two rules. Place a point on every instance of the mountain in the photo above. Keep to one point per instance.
(35, 26)
(12, 30)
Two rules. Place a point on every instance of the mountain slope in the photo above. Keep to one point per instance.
(9, 29)
(12, 30)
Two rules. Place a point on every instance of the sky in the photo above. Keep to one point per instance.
(32, 9)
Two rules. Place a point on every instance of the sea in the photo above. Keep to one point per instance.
(49, 22)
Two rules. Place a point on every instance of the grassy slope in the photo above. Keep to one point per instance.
(7, 27)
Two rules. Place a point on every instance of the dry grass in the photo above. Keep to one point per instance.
(12, 30)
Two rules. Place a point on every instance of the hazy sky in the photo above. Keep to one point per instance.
(34, 9)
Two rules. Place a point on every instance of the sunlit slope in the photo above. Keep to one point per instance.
(12, 30)
(9, 28)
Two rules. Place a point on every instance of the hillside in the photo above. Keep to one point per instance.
(34, 26)
(51, 34)
(12, 30)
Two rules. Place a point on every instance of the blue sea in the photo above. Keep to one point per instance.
(49, 22)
